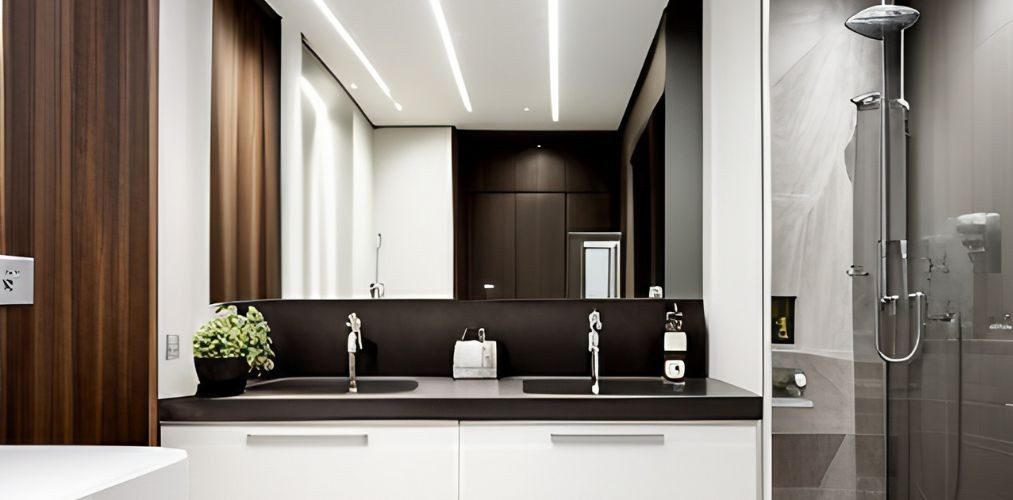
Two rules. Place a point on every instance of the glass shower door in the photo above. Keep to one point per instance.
(921, 424)
(946, 151)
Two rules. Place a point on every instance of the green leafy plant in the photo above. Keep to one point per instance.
(232, 335)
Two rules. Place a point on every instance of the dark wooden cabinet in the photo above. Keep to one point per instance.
(591, 212)
(538, 170)
(541, 245)
(492, 227)
(520, 193)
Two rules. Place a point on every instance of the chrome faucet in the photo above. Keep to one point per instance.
(376, 289)
(354, 346)
(594, 320)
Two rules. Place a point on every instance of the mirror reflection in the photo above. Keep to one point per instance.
(457, 149)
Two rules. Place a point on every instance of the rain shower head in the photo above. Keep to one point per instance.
(875, 22)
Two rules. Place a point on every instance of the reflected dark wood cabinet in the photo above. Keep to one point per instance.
(541, 245)
(492, 241)
(519, 194)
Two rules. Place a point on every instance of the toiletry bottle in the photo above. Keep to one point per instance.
(675, 347)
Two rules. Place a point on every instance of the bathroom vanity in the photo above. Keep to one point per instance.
(412, 431)
(470, 460)
(520, 225)
(470, 439)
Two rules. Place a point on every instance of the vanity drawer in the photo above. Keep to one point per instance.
(320, 460)
(502, 461)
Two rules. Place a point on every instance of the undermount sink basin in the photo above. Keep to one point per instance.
(328, 386)
(607, 387)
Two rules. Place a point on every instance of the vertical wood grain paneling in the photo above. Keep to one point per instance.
(245, 151)
(561, 181)
(540, 248)
(79, 196)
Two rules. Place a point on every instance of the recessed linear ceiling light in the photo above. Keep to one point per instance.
(347, 37)
(554, 57)
(354, 86)
(448, 45)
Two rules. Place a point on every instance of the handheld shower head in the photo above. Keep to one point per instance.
(877, 21)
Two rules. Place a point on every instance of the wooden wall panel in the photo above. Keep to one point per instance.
(80, 197)
(492, 245)
(541, 245)
(245, 151)
(561, 181)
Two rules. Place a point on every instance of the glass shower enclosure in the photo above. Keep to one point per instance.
(932, 178)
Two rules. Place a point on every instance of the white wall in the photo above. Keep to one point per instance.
(363, 231)
(413, 209)
(736, 187)
(320, 202)
(733, 191)
(184, 156)
(291, 151)
(767, 441)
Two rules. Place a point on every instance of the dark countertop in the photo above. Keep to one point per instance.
(445, 399)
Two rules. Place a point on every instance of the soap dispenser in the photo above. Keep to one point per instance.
(675, 347)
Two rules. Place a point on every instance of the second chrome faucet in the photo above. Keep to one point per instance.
(594, 320)
(354, 346)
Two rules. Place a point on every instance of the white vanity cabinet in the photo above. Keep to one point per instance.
(382, 461)
(501, 461)
(470, 460)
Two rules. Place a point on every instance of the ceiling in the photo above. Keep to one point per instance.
(502, 47)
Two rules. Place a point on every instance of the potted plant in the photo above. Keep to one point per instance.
(228, 348)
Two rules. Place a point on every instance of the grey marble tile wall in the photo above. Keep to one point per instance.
(959, 442)
(817, 66)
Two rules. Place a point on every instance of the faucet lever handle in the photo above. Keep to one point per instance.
(355, 324)
(594, 319)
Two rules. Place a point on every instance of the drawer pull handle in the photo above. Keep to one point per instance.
(281, 439)
(639, 439)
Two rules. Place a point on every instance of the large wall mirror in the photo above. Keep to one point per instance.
(468, 149)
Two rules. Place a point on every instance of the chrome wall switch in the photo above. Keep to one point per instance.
(18, 280)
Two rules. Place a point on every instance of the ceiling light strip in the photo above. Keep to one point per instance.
(554, 57)
(347, 37)
(448, 44)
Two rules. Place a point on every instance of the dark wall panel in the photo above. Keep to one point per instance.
(541, 245)
(492, 245)
(536, 337)
(539, 170)
(684, 152)
(591, 212)
(80, 197)
(563, 181)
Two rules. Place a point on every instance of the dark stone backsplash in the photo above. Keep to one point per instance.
(536, 337)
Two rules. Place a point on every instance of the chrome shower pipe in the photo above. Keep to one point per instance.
(887, 23)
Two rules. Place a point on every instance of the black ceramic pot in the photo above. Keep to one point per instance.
(221, 377)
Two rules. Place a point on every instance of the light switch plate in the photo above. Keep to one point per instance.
(17, 280)
(171, 347)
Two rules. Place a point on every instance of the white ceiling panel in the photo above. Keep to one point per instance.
(502, 47)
